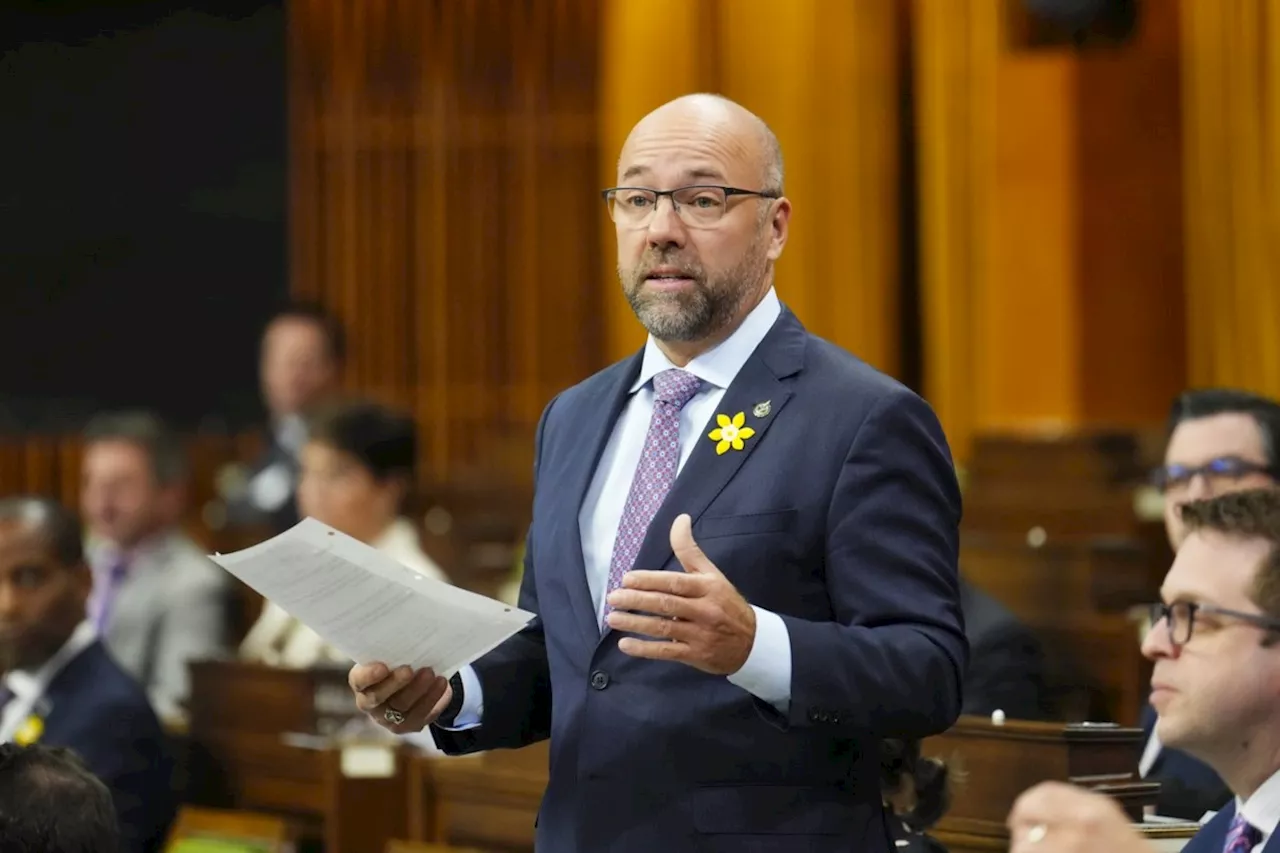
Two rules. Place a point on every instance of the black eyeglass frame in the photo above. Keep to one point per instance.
(1167, 612)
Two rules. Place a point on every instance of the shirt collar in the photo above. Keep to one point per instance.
(1262, 810)
(719, 365)
(30, 684)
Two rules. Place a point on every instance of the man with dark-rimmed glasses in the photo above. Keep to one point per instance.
(1221, 440)
(1215, 684)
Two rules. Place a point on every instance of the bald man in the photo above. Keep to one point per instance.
(743, 550)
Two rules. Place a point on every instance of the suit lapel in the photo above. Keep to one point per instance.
(759, 392)
(597, 416)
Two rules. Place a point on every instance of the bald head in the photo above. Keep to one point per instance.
(741, 132)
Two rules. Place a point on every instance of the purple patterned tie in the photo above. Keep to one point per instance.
(1242, 837)
(654, 474)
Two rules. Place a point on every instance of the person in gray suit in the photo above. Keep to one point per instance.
(158, 602)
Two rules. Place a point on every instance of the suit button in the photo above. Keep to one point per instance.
(599, 680)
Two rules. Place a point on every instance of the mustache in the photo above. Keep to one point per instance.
(688, 269)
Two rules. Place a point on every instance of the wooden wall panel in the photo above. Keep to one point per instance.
(1051, 223)
(1232, 166)
(444, 201)
(825, 77)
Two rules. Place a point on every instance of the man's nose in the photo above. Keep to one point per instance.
(10, 602)
(1156, 643)
(1199, 487)
(665, 227)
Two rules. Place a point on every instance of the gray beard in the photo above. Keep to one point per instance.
(696, 314)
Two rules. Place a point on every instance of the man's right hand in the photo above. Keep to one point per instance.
(386, 694)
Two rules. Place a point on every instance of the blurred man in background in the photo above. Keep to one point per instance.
(303, 349)
(62, 688)
(158, 602)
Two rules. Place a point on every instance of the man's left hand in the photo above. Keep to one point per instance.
(1054, 817)
(699, 618)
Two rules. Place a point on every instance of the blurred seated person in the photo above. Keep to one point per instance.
(51, 803)
(300, 363)
(916, 792)
(1220, 440)
(1006, 665)
(158, 601)
(61, 687)
(357, 470)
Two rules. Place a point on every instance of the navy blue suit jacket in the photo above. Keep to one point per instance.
(95, 709)
(1213, 835)
(841, 515)
(1188, 786)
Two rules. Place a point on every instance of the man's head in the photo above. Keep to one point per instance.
(692, 274)
(44, 584)
(51, 803)
(357, 467)
(1220, 440)
(133, 477)
(302, 354)
(1216, 680)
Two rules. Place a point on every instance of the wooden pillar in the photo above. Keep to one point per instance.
(1231, 101)
(1050, 198)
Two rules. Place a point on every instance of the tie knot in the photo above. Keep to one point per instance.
(675, 386)
(1243, 836)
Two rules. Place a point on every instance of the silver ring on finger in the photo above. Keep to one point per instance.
(393, 716)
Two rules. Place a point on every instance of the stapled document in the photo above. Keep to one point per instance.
(368, 606)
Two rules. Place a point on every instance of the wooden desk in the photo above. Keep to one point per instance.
(997, 763)
(260, 740)
(490, 800)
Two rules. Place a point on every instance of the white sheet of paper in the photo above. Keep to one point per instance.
(368, 606)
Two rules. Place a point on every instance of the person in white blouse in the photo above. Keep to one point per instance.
(356, 470)
(1215, 643)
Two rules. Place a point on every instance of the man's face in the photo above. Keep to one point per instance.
(297, 366)
(1226, 438)
(119, 497)
(41, 600)
(1223, 684)
(690, 283)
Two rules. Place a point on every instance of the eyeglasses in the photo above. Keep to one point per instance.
(1169, 478)
(1180, 618)
(697, 206)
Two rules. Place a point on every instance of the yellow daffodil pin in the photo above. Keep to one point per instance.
(29, 732)
(730, 433)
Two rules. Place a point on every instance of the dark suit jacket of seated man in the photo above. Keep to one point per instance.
(61, 687)
(821, 612)
(1006, 662)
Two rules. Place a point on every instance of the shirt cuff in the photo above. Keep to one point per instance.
(767, 672)
(472, 710)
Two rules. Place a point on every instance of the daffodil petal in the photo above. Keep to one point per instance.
(723, 420)
(737, 444)
(739, 419)
(714, 435)
(746, 432)
(722, 447)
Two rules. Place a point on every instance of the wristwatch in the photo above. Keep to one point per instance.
(450, 713)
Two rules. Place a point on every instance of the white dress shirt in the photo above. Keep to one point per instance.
(1262, 810)
(767, 671)
(29, 686)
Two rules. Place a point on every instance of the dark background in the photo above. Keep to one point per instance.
(142, 207)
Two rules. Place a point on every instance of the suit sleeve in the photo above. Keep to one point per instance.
(131, 759)
(891, 659)
(514, 677)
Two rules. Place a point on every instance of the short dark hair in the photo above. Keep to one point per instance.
(148, 431)
(60, 526)
(928, 779)
(383, 439)
(1207, 402)
(1249, 514)
(51, 803)
(329, 325)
